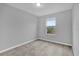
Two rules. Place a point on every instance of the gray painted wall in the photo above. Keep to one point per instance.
(63, 28)
(76, 29)
(16, 26)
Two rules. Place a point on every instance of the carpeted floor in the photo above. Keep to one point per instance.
(40, 48)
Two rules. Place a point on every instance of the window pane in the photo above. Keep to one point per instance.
(51, 25)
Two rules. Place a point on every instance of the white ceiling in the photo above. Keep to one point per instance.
(45, 9)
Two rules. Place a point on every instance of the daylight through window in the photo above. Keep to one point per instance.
(51, 25)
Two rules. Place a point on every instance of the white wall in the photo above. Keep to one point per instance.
(63, 28)
(76, 29)
(16, 26)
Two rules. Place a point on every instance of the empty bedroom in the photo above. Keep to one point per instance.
(39, 29)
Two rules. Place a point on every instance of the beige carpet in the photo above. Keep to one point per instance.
(40, 48)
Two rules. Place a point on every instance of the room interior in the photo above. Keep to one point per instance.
(24, 29)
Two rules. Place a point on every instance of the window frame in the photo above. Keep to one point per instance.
(46, 26)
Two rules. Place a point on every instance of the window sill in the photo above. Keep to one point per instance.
(51, 34)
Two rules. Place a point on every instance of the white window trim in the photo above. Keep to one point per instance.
(46, 27)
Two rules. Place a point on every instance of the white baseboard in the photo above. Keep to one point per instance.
(57, 42)
(16, 46)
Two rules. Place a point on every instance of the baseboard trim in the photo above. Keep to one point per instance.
(16, 46)
(56, 42)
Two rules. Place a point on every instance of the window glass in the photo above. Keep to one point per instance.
(51, 25)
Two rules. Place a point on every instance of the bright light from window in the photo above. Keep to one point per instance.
(38, 4)
(51, 22)
(51, 26)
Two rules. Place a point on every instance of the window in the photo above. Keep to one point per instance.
(51, 25)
